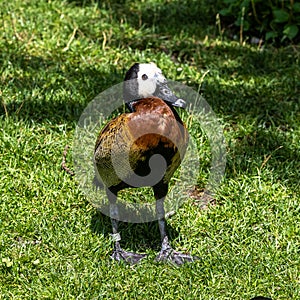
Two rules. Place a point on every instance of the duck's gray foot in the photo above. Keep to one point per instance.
(128, 257)
(175, 257)
(168, 254)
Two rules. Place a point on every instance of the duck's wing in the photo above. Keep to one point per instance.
(112, 146)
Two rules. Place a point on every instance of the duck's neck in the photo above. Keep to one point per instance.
(153, 105)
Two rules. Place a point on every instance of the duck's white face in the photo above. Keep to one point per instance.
(149, 78)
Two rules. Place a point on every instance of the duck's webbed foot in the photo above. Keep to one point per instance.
(168, 254)
(128, 257)
(119, 254)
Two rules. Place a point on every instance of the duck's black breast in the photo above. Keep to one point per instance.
(153, 128)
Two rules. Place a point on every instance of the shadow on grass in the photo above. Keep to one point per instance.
(135, 237)
(52, 90)
(168, 18)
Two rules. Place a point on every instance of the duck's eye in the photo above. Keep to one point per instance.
(144, 77)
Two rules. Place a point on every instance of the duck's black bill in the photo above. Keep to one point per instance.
(179, 103)
(164, 92)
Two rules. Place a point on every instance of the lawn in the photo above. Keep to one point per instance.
(56, 57)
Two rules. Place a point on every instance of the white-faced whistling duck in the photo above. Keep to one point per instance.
(151, 104)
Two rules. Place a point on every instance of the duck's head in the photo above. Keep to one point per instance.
(146, 80)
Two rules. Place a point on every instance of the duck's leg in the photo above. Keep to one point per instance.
(118, 253)
(167, 253)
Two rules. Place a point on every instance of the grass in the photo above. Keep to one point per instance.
(56, 56)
